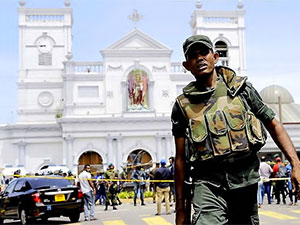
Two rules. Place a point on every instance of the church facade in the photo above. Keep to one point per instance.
(114, 111)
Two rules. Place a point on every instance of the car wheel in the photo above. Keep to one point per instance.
(74, 217)
(23, 217)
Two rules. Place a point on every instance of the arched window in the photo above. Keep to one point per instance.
(222, 49)
(137, 82)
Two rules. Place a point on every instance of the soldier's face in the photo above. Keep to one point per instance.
(200, 60)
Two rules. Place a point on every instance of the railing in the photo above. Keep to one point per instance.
(88, 67)
(44, 18)
(233, 20)
(223, 61)
(177, 67)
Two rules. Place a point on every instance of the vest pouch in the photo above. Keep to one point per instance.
(218, 133)
(201, 149)
(256, 133)
(237, 123)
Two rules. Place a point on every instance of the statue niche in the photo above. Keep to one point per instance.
(138, 90)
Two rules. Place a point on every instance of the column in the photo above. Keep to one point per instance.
(119, 154)
(22, 153)
(109, 150)
(68, 156)
(159, 153)
(114, 152)
(168, 146)
(171, 145)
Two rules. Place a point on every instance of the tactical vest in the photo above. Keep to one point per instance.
(220, 126)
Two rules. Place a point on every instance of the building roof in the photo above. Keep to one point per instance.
(290, 111)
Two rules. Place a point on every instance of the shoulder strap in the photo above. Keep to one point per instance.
(233, 82)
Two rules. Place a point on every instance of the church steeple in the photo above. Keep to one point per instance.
(240, 4)
(226, 28)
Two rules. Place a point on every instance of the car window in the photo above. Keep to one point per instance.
(10, 187)
(22, 185)
(40, 182)
(19, 185)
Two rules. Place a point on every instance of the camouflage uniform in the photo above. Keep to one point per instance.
(223, 133)
(111, 188)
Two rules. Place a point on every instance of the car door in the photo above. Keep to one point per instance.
(5, 208)
(16, 197)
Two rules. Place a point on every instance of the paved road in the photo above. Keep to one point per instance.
(127, 214)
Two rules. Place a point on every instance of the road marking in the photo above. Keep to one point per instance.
(156, 220)
(295, 211)
(114, 222)
(277, 215)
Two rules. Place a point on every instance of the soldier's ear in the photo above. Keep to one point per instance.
(186, 65)
(216, 57)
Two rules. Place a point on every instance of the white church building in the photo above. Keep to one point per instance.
(117, 110)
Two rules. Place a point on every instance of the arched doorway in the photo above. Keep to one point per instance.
(222, 48)
(92, 158)
(138, 156)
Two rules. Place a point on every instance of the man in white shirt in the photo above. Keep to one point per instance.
(265, 171)
(89, 191)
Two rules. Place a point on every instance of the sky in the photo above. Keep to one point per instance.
(272, 36)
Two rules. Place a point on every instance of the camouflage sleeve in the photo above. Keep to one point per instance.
(179, 122)
(256, 104)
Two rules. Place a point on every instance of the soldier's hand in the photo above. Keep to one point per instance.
(94, 191)
(295, 178)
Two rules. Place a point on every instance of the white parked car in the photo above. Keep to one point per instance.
(53, 169)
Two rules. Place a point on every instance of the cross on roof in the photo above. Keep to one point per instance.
(135, 17)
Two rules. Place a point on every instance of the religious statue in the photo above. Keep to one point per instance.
(137, 90)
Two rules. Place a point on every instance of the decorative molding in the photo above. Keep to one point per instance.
(115, 68)
(159, 69)
(110, 94)
(136, 63)
(165, 93)
(45, 99)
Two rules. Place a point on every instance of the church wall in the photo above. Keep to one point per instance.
(9, 154)
(88, 102)
(37, 153)
(40, 103)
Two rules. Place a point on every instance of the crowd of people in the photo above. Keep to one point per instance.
(275, 181)
(103, 187)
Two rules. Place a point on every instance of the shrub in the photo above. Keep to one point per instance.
(123, 195)
(148, 194)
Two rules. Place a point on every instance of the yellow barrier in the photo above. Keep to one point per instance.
(93, 179)
(125, 180)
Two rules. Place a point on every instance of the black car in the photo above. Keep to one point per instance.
(40, 197)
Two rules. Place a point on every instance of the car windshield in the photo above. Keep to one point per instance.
(39, 183)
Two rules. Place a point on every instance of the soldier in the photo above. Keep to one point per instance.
(111, 187)
(217, 124)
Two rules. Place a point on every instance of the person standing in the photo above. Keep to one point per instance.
(265, 171)
(152, 174)
(292, 193)
(139, 176)
(100, 186)
(163, 188)
(89, 191)
(279, 172)
(217, 125)
(111, 187)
